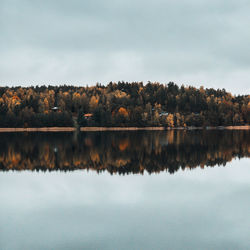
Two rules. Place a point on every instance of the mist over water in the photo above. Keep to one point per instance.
(125, 190)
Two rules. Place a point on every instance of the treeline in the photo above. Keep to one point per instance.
(121, 104)
(122, 152)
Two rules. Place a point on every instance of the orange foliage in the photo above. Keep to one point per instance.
(123, 111)
(123, 145)
(15, 97)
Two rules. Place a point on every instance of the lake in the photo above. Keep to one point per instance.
(125, 190)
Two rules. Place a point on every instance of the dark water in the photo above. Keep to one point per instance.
(125, 190)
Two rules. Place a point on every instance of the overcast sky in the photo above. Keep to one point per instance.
(79, 42)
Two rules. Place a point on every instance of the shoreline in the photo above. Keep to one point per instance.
(92, 129)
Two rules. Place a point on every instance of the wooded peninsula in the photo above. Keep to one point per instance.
(121, 104)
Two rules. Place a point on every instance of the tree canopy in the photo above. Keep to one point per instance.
(121, 104)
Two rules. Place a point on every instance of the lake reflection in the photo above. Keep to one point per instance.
(122, 152)
(199, 209)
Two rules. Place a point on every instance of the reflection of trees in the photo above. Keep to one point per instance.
(122, 152)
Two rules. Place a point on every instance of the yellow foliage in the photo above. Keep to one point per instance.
(94, 156)
(170, 120)
(120, 94)
(93, 102)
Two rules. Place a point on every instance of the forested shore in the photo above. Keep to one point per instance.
(121, 104)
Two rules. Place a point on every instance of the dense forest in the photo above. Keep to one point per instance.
(121, 104)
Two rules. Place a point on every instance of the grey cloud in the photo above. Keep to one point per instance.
(144, 39)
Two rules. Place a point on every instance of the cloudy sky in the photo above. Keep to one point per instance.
(197, 42)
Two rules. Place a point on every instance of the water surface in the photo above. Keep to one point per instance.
(125, 190)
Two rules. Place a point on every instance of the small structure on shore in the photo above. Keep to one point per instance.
(55, 109)
(88, 116)
(163, 113)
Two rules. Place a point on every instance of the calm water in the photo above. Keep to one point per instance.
(125, 190)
